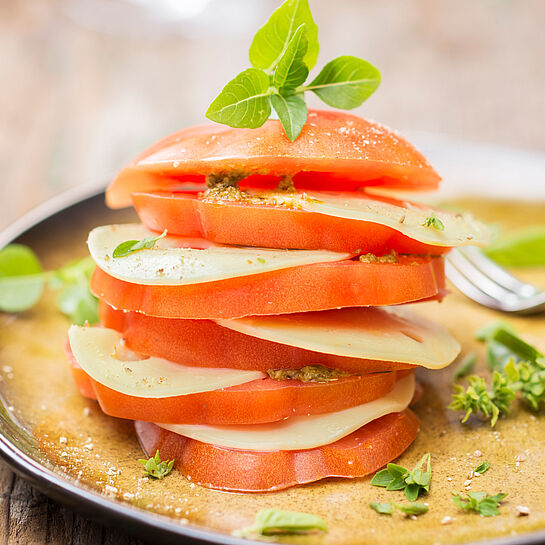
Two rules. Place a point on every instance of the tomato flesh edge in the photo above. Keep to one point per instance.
(267, 226)
(359, 454)
(320, 286)
(204, 343)
(335, 151)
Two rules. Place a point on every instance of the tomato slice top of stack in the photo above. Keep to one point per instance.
(336, 151)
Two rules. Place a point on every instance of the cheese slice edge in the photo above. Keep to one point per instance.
(94, 349)
(172, 262)
(301, 432)
(386, 334)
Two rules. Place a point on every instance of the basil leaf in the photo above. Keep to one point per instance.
(275, 521)
(396, 470)
(244, 101)
(382, 478)
(272, 39)
(482, 467)
(292, 112)
(412, 491)
(414, 508)
(21, 278)
(291, 71)
(382, 508)
(345, 82)
(525, 247)
(130, 246)
(397, 483)
(77, 302)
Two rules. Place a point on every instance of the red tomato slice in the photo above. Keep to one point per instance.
(256, 402)
(186, 215)
(306, 288)
(203, 343)
(356, 455)
(336, 151)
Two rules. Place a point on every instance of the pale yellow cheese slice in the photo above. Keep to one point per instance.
(385, 333)
(168, 263)
(301, 432)
(99, 353)
(459, 229)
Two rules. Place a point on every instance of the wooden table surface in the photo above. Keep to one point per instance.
(82, 92)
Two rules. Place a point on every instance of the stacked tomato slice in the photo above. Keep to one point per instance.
(264, 342)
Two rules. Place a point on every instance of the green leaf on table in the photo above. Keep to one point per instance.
(486, 332)
(272, 39)
(483, 467)
(292, 112)
(522, 248)
(21, 278)
(382, 508)
(518, 347)
(156, 468)
(244, 101)
(270, 522)
(414, 508)
(291, 71)
(345, 82)
(130, 246)
(480, 502)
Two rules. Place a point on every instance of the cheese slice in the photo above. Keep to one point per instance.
(99, 353)
(409, 219)
(385, 333)
(170, 263)
(301, 432)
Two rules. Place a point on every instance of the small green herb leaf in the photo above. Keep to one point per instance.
(519, 348)
(478, 398)
(292, 112)
(482, 468)
(486, 332)
(466, 366)
(272, 39)
(382, 508)
(414, 508)
(345, 82)
(244, 101)
(154, 467)
(522, 248)
(130, 246)
(433, 221)
(21, 278)
(270, 522)
(480, 502)
(291, 71)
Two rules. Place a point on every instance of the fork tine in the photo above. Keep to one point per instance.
(499, 274)
(468, 288)
(482, 282)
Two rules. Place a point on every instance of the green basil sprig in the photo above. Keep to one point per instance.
(22, 283)
(282, 53)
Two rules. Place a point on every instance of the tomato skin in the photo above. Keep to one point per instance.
(203, 343)
(336, 151)
(356, 455)
(184, 214)
(319, 286)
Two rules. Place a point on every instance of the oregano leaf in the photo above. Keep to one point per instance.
(244, 101)
(292, 112)
(345, 82)
(272, 39)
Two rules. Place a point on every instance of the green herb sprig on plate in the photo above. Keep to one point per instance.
(414, 508)
(272, 522)
(156, 468)
(413, 483)
(23, 280)
(282, 53)
(131, 246)
(518, 367)
(479, 502)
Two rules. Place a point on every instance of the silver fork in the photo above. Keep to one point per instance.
(484, 281)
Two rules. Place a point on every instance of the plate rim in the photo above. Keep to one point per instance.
(93, 504)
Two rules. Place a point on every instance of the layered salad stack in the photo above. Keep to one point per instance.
(255, 324)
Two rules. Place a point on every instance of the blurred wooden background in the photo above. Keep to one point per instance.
(82, 92)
